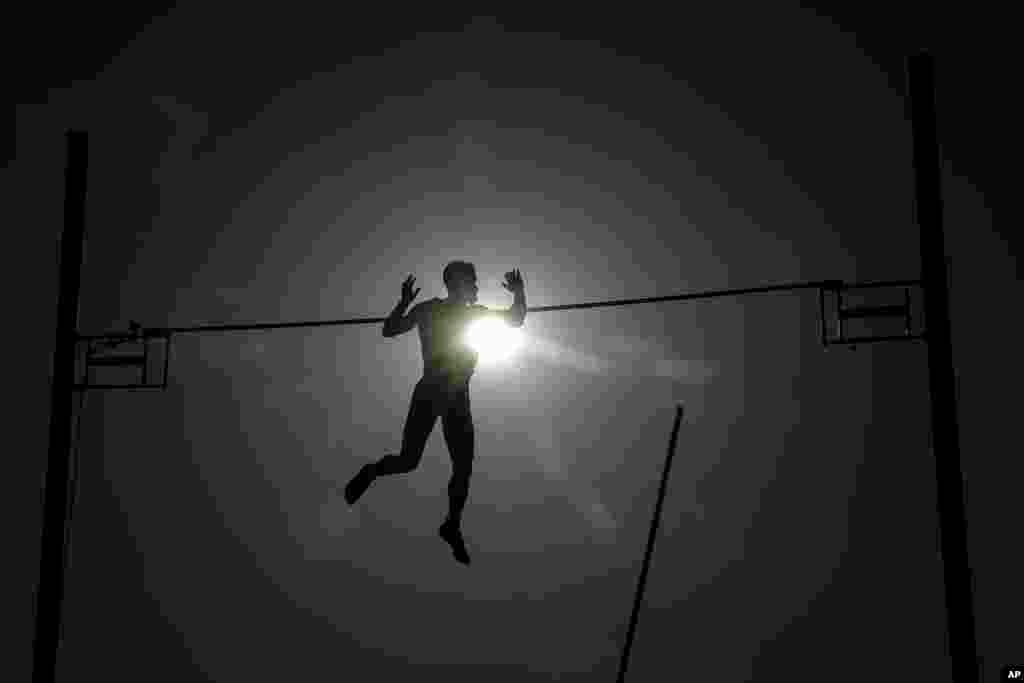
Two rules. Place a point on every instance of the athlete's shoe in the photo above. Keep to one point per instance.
(453, 536)
(355, 488)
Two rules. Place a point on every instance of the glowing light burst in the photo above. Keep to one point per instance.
(493, 340)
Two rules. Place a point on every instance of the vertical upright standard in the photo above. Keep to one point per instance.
(56, 496)
(942, 381)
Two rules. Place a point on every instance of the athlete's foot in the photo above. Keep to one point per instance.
(451, 533)
(355, 488)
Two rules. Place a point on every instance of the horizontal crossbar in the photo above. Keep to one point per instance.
(793, 286)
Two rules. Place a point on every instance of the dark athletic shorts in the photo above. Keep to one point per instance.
(433, 398)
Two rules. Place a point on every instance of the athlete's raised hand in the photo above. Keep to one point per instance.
(513, 281)
(407, 292)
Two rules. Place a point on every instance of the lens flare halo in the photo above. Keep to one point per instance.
(492, 339)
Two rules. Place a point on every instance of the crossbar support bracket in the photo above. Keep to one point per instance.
(133, 349)
(835, 290)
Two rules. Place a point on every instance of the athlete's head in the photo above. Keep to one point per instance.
(460, 279)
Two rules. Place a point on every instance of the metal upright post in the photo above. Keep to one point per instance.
(942, 381)
(52, 553)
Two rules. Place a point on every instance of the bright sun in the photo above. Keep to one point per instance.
(493, 340)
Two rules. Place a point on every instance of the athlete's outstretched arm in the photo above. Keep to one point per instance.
(397, 322)
(516, 315)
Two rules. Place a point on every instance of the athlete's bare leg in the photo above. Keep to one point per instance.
(457, 423)
(419, 423)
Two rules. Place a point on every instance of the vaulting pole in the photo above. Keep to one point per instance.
(53, 551)
(942, 380)
(624, 661)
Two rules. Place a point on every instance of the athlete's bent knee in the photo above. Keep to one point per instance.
(396, 464)
(408, 462)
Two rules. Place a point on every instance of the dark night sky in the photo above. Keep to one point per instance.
(252, 166)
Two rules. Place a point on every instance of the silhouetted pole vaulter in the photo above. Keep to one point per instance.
(942, 380)
(53, 549)
(449, 362)
(624, 661)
